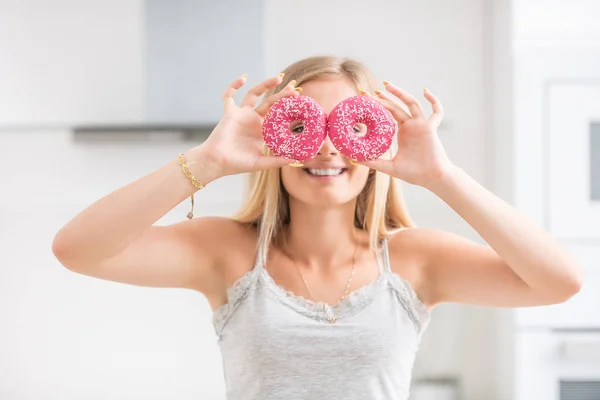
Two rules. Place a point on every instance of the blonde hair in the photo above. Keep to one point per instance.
(380, 208)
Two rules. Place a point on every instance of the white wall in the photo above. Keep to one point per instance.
(70, 61)
(69, 336)
(539, 22)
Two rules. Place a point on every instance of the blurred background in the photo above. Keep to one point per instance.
(96, 93)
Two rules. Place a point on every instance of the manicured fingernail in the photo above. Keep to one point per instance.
(296, 164)
(377, 92)
(292, 82)
(362, 92)
(244, 76)
(425, 90)
(386, 83)
(298, 89)
(354, 162)
(281, 75)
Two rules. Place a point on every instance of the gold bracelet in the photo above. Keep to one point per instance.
(183, 162)
(197, 184)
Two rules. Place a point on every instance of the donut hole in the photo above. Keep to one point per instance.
(297, 127)
(360, 129)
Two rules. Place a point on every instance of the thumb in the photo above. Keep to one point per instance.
(379, 164)
(269, 162)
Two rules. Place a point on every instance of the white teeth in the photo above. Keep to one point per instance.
(325, 172)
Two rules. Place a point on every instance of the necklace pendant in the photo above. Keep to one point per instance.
(331, 319)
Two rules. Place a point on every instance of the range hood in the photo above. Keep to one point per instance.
(192, 50)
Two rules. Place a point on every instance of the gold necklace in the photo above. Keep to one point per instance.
(332, 319)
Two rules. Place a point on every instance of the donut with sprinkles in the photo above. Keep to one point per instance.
(381, 128)
(295, 127)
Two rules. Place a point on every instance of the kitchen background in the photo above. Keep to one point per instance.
(96, 93)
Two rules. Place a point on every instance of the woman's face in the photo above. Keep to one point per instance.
(328, 179)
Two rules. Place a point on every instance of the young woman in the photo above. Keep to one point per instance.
(321, 286)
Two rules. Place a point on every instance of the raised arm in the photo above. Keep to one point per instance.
(115, 238)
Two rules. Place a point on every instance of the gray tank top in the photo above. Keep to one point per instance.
(277, 345)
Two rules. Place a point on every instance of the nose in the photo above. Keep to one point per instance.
(327, 148)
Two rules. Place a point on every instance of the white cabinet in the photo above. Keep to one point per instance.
(573, 133)
(557, 107)
(554, 178)
(68, 175)
(557, 366)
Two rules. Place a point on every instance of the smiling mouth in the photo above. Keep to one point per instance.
(325, 172)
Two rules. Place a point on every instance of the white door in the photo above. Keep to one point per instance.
(573, 159)
(558, 366)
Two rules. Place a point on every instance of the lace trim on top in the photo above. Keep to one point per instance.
(235, 294)
(353, 303)
(417, 311)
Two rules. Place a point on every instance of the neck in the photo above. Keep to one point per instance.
(322, 238)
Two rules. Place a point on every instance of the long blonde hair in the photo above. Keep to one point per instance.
(380, 208)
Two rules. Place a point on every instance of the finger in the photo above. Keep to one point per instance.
(228, 100)
(256, 91)
(265, 105)
(392, 106)
(380, 164)
(436, 106)
(411, 102)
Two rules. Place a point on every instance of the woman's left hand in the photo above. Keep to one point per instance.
(421, 158)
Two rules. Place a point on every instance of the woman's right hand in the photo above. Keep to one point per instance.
(236, 144)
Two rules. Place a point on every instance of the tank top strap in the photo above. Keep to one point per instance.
(258, 259)
(384, 258)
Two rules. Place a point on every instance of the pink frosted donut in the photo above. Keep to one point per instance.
(304, 111)
(381, 128)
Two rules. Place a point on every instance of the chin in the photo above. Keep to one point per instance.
(332, 188)
(323, 200)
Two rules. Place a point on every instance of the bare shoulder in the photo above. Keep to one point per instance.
(192, 254)
(412, 245)
(226, 238)
(220, 226)
(233, 250)
(411, 253)
(451, 268)
(424, 243)
(418, 239)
